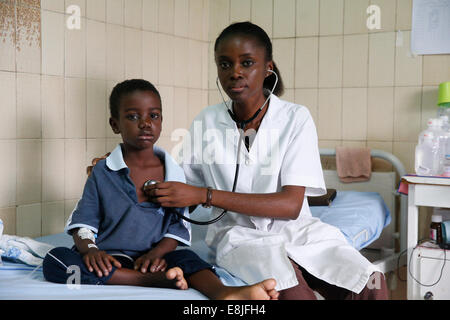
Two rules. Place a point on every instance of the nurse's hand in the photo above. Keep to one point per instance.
(175, 194)
(94, 162)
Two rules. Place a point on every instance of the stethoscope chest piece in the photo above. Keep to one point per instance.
(149, 183)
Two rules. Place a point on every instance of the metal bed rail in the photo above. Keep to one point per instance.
(401, 171)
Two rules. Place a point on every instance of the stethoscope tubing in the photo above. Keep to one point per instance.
(241, 126)
(203, 223)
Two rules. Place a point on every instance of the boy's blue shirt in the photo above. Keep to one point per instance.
(109, 207)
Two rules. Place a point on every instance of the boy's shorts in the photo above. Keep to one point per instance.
(58, 265)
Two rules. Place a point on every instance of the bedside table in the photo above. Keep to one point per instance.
(425, 265)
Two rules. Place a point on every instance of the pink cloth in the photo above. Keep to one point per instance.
(403, 188)
(353, 164)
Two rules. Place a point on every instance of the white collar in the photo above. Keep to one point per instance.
(173, 171)
(115, 160)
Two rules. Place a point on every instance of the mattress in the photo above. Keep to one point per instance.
(361, 216)
(22, 282)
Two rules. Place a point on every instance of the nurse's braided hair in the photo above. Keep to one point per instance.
(255, 32)
(127, 87)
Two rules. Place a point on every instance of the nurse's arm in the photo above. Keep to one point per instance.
(285, 204)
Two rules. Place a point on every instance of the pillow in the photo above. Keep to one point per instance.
(324, 200)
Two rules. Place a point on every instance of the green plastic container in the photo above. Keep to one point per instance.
(444, 94)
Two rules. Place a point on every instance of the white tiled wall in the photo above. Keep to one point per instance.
(363, 87)
(355, 57)
(55, 83)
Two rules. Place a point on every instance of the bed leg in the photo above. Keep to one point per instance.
(391, 280)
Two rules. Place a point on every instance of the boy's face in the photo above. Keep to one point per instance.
(140, 119)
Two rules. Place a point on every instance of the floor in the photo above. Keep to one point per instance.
(400, 291)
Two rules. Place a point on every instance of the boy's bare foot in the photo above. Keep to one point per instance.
(176, 274)
(264, 290)
(172, 278)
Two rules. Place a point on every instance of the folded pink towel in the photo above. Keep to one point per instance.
(353, 164)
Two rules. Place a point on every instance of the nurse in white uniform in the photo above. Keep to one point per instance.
(268, 231)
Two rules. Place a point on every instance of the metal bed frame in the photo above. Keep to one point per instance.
(389, 262)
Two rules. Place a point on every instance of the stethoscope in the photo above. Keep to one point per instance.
(241, 125)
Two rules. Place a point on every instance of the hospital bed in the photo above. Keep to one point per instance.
(363, 211)
(383, 248)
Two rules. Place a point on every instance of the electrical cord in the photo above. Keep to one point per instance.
(409, 266)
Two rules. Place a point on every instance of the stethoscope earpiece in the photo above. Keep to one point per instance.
(241, 125)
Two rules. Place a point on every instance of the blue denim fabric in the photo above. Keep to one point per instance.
(109, 207)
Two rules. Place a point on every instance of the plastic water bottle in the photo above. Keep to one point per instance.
(444, 110)
(429, 157)
(443, 101)
(446, 153)
(446, 165)
(444, 114)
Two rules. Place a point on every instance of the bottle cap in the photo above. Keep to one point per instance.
(436, 218)
(444, 94)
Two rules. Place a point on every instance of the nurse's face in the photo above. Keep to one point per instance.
(242, 67)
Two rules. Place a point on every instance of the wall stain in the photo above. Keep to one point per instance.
(20, 23)
(7, 22)
(28, 27)
(29, 3)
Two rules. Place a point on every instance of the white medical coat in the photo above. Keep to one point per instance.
(284, 152)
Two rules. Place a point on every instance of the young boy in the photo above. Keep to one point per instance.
(121, 238)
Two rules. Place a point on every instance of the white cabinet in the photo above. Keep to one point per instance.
(428, 261)
(423, 263)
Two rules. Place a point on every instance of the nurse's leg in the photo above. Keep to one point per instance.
(326, 290)
(302, 291)
(375, 289)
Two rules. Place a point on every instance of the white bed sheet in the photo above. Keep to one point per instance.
(21, 282)
(361, 216)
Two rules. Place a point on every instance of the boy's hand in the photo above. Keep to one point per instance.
(150, 262)
(100, 262)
